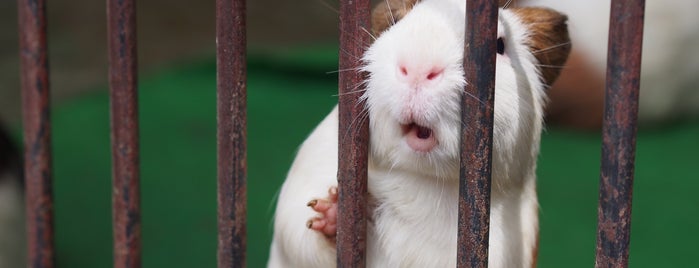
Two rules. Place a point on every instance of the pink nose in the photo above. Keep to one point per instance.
(417, 75)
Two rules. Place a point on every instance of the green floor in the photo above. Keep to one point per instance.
(288, 94)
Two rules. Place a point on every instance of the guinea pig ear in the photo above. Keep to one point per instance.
(388, 12)
(548, 39)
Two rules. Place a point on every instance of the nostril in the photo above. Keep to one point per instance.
(418, 74)
(434, 74)
(403, 70)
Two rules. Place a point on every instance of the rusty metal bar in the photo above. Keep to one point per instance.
(121, 17)
(232, 125)
(619, 133)
(37, 132)
(353, 136)
(477, 133)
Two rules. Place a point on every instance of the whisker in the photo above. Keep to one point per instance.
(364, 117)
(327, 5)
(390, 11)
(355, 89)
(369, 33)
(551, 47)
(507, 4)
(360, 41)
(358, 58)
(364, 45)
(343, 70)
(551, 66)
(349, 93)
(358, 120)
(357, 86)
(364, 108)
(364, 113)
(474, 97)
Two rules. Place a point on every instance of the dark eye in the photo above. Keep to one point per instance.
(501, 46)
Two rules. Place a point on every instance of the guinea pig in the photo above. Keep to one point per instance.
(12, 230)
(670, 63)
(414, 85)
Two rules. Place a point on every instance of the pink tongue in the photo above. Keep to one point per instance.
(420, 138)
(424, 133)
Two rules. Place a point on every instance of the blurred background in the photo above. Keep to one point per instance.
(292, 55)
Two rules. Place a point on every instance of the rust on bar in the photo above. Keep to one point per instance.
(37, 132)
(353, 135)
(121, 16)
(619, 133)
(232, 125)
(477, 133)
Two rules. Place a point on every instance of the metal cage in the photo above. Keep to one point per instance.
(618, 148)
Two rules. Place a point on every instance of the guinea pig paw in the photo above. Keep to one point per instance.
(326, 222)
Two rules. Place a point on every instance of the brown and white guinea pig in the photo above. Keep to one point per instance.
(413, 92)
(670, 62)
(12, 230)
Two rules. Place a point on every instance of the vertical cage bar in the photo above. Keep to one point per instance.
(477, 133)
(121, 16)
(353, 135)
(37, 132)
(619, 133)
(232, 124)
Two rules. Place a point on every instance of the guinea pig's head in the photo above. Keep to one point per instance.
(415, 81)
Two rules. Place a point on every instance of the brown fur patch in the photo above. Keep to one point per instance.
(388, 12)
(549, 40)
(577, 96)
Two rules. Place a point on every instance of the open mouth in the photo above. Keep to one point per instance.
(419, 138)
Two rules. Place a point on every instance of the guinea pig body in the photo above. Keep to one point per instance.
(670, 62)
(12, 229)
(413, 95)
(12, 221)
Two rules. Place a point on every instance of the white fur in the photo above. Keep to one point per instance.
(670, 61)
(12, 230)
(414, 223)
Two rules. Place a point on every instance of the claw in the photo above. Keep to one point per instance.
(333, 193)
(317, 224)
(326, 220)
(309, 223)
(320, 205)
(312, 203)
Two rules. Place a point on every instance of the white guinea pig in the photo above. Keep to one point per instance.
(12, 230)
(413, 92)
(670, 62)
